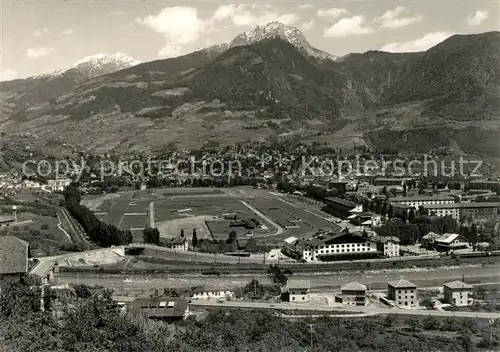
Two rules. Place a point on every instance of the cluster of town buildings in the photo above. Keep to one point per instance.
(400, 294)
(438, 205)
(12, 184)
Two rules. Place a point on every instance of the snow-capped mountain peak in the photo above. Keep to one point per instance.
(117, 59)
(95, 65)
(277, 29)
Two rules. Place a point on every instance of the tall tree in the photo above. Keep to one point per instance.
(194, 240)
(390, 211)
(411, 216)
(151, 235)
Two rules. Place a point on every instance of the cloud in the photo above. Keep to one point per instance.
(476, 18)
(332, 13)
(307, 25)
(40, 32)
(118, 13)
(252, 14)
(391, 19)
(420, 44)
(306, 6)
(37, 52)
(179, 25)
(8, 74)
(348, 26)
(68, 31)
(224, 12)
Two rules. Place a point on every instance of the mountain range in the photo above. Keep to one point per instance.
(265, 84)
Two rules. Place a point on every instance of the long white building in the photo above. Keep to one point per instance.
(418, 201)
(326, 246)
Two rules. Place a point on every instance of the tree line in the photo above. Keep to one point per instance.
(92, 322)
(102, 234)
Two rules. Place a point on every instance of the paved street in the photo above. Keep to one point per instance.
(346, 308)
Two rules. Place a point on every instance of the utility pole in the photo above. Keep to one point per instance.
(492, 322)
(42, 298)
(311, 326)
(338, 329)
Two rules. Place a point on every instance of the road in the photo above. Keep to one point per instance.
(152, 215)
(68, 222)
(279, 229)
(345, 308)
(319, 282)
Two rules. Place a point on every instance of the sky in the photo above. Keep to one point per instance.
(46, 35)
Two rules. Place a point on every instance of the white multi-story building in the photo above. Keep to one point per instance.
(344, 245)
(59, 184)
(403, 293)
(212, 293)
(418, 201)
(354, 294)
(298, 290)
(450, 209)
(470, 209)
(457, 293)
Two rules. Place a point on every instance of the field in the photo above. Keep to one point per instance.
(41, 232)
(203, 209)
(101, 203)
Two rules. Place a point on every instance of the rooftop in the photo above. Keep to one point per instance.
(206, 288)
(353, 286)
(448, 237)
(341, 201)
(160, 307)
(421, 198)
(6, 218)
(463, 205)
(431, 236)
(384, 239)
(401, 284)
(297, 284)
(13, 255)
(177, 240)
(401, 206)
(457, 284)
(392, 179)
(364, 214)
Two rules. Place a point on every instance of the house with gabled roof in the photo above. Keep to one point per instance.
(428, 241)
(457, 293)
(160, 308)
(353, 293)
(14, 257)
(451, 241)
(403, 293)
(178, 243)
(298, 290)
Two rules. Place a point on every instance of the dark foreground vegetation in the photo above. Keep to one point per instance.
(102, 234)
(91, 322)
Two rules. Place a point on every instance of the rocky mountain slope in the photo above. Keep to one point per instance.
(45, 87)
(287, 33)
(253, 89)
(458, 78)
